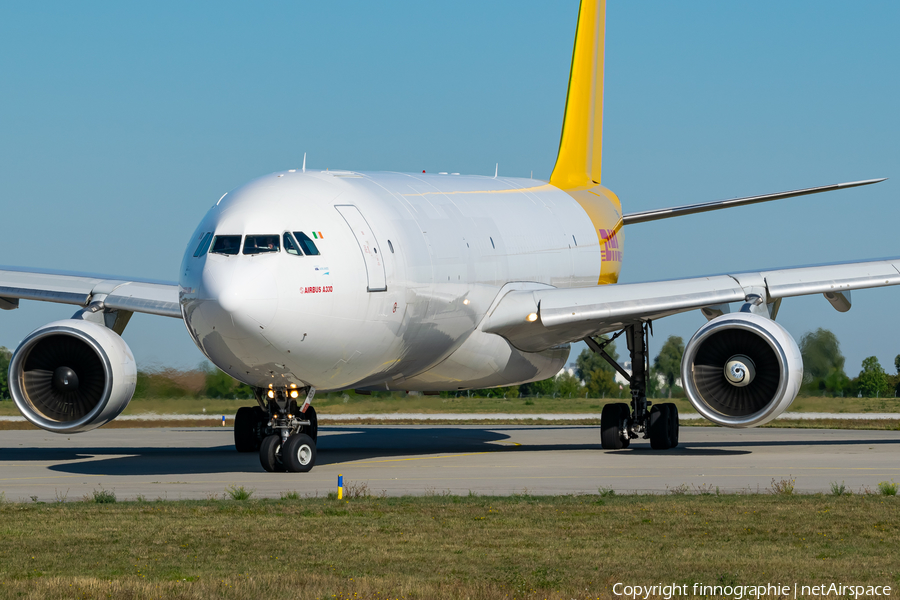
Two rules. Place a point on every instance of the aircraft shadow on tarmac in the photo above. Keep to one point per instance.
(340, 445)
(337, 445)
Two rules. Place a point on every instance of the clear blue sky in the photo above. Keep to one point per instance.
(121, 123)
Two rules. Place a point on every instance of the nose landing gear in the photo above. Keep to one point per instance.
(284, 433)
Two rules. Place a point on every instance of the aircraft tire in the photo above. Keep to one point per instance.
(313, 429)
(674, 425)
(610, 425)
(659, 427)
(247, 428)
(270, 454)
(299, 453)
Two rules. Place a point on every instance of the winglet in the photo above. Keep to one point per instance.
(580, 145)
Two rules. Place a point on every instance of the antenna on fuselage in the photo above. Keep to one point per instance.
(304, 162)
(496, 170)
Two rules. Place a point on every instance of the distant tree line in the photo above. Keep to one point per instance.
(823, 374)
(206, 382)
(823, 370)
(5, 355)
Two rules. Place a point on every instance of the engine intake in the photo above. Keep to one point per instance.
(72, 376)
(741, 370)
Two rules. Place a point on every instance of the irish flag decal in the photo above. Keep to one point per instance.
(318, 235)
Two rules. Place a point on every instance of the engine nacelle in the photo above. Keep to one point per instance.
(741, 370)
(72, 376)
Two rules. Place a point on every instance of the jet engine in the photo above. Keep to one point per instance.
(72, 376)
(741, 370)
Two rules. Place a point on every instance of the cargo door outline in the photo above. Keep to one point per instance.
(368, 245)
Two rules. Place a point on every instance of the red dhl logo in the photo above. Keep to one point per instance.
(611, 250)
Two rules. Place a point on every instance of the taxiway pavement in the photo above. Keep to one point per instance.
(198, 463)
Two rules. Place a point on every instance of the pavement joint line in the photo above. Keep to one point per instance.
(364, 462)
(716, 470)
(53, 477)
(547, 477)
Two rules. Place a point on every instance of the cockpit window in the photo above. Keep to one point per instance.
(290, 246)
(226, 244)
(259, 244)
(309, 247)
(203, 246)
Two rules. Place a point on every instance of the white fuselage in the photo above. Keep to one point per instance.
(395, 301)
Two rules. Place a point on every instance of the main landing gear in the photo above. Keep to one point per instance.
(619, 423)
(284, 433)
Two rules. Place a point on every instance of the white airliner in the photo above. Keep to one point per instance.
(310, 280)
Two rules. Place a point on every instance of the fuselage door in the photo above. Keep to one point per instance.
(368, 245)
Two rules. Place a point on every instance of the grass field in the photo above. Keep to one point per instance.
(374, 406)
(434, 404)
(442, 546)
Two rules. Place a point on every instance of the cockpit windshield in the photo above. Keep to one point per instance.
(226, 244)
(290, 246)
(259, 244)
(309, 247)
(203, 246)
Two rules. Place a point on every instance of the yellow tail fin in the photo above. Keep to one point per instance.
(581, 143)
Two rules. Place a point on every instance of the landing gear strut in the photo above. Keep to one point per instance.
(284, 432)
(619, 423)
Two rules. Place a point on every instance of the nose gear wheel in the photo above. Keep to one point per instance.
(285, 436)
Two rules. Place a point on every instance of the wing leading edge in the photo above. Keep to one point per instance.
(536, 320)
(155, 298)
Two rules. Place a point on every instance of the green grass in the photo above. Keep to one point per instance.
(441, 546)
(887, 488)
(238, 492)
(102, 496)
(436, 404)
(839, 489)
(335, 404)
(374, 406)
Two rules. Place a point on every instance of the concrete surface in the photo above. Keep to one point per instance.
(199, 463)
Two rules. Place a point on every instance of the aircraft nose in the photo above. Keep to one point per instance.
(239, 300)
(230, 300)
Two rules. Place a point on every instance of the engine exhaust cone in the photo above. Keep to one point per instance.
(740, 370)
(65, 380)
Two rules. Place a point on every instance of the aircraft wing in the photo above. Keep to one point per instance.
(143, 296)
(536, 320)
(690, 209)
